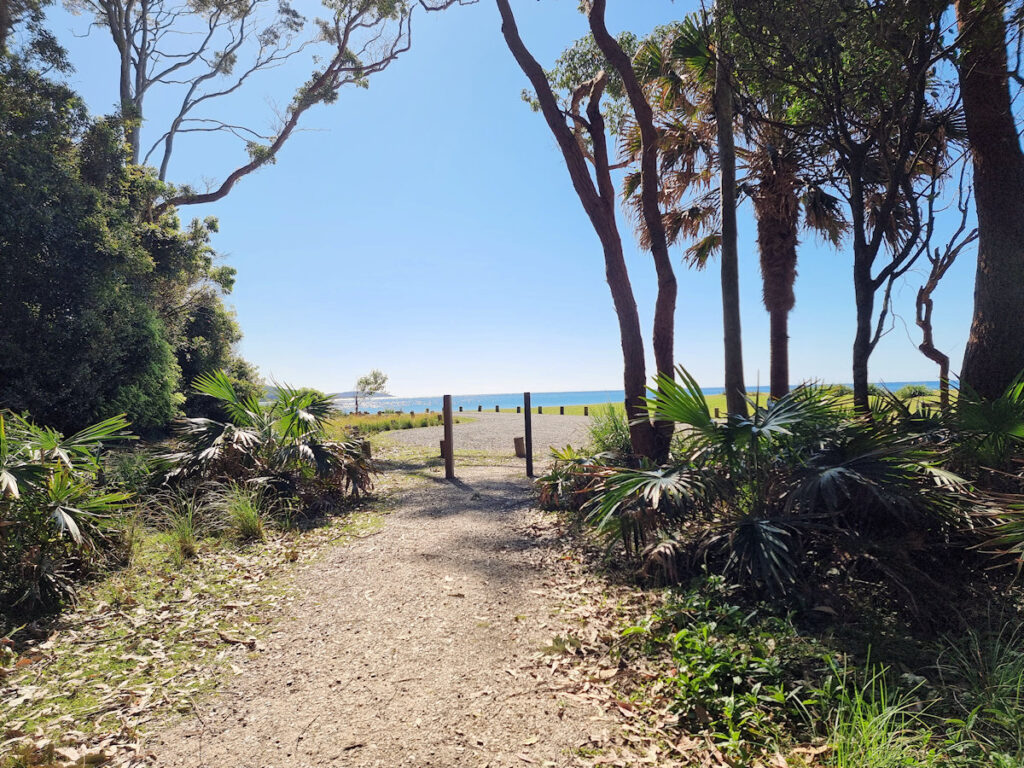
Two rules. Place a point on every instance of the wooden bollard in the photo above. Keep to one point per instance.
(540, 409)
(519, 409)
(520, 446)
(528, 432)
(427, 411)
(448, 451)
(443, 454)
(716, 413)
(561, 410)
(412, 413)
(497, 409)
(460, 409)
(586, 410)
(479, 408)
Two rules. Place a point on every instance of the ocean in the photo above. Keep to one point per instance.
(512, 399)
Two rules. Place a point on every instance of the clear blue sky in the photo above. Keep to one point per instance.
(426, 226)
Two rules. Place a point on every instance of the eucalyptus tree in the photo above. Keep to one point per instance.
(202, 54)
(995, 350)
(578, 125)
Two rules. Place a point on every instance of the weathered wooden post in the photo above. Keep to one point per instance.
(519, 443)
(586, 410)
(519, 409)
(716, 413)
(561, 410)
(529, 434)
(479, 408)
(497, 409)
(449, 446)
(460, 409)
(540, 409)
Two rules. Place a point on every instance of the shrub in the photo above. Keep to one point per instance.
(245, 508)
(571, 481)
(777, 499)
(911, 391)
(56, 522)
(282, 444)
(609, 431)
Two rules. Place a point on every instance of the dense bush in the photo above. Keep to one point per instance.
(281, 443)
(105, 307)
(56, 521)
(808, 499)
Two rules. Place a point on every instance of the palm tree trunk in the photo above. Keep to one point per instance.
(777, 210)
(779, 347)
(995, 349)
(735, 389)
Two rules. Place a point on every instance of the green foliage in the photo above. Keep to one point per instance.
(56, 521)
(985, 665)
(609, 431)
(282, 443)
(730, 672)
(105, 309)
(911, 391)
(877, 726)
(569, 484)
(776, 499)
(245, 508)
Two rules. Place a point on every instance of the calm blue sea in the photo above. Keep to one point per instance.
(545, 399)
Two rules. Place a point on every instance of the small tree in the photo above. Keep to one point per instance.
(373, 383)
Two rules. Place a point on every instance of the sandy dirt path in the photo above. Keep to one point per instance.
(417, 646)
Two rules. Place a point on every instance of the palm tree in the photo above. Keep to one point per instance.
(680, 68)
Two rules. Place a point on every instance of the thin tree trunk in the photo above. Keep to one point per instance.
(864, 295)
(735, 388)
(599, 202)
(995, 349)
(927, 346)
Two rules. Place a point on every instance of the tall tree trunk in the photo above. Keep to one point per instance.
(650, 197)
(777, 209)
(599, 202)
(995, 349)
(735, 389)
(864, 296)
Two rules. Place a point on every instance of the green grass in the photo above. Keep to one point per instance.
(714, 401)
(344, 426)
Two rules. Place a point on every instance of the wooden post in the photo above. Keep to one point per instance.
(479, 408)
(586, 410)
(540, 409)
(519, 409)
(561, 410)
(497, 409)
(520, 445)
(716, 413)
(529, 435)
(460, 409)
(449, 453)
(444, 451)
(412, 413)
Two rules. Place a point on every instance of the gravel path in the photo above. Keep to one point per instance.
(415, 647)
(493, 433)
